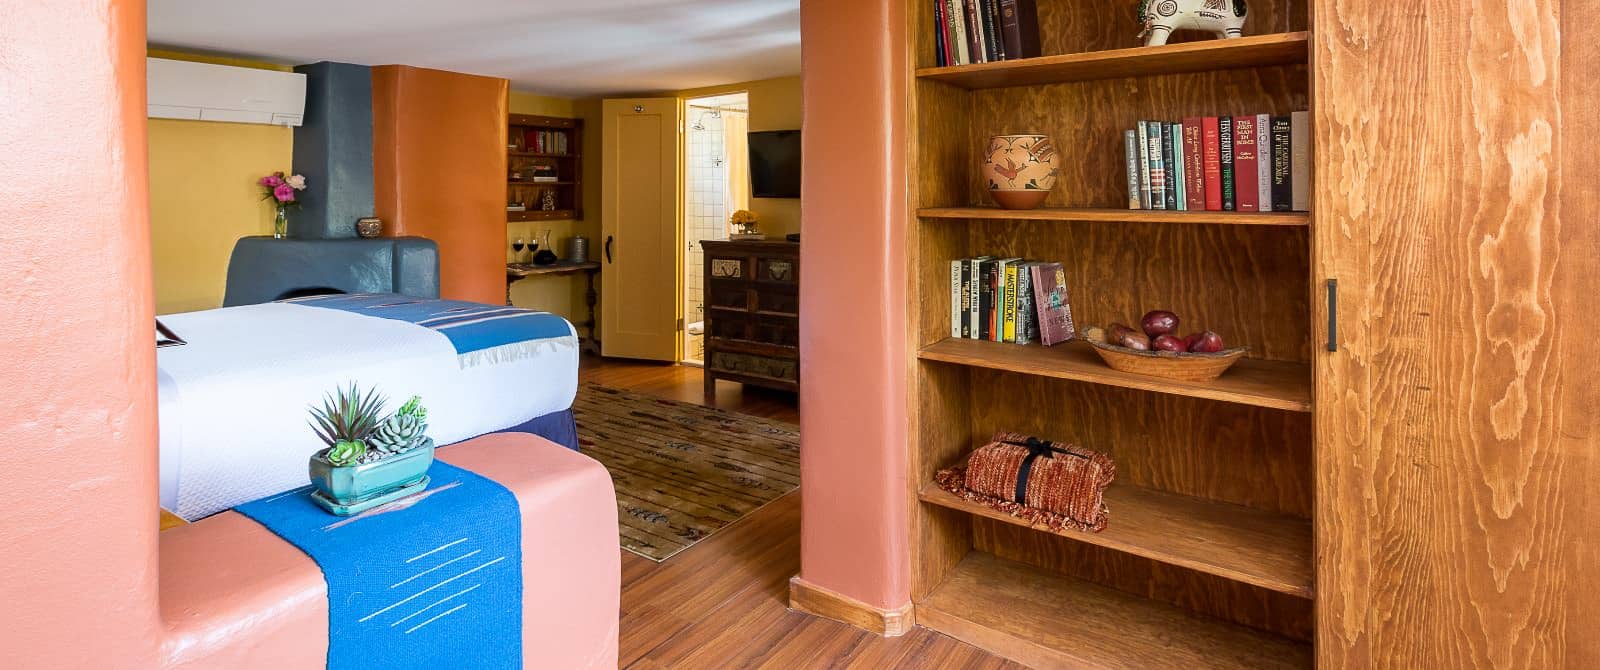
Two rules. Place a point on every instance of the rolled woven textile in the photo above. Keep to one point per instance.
(1056, 484)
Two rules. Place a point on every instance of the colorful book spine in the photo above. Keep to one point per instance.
(1264, 162)
(1158, 171)
(991, 30)
(1130, 150)
(974, 31)
(941, 55)
(955, 298)
(1244, 163)
(958, 31)
(966, 299)
(1225, 162)
(975, 297)
(1009, 333)
(1300, 161)
(1019, 24)
(1282, 180)
(1194, 183)
(1172, 153)
(1051, 303)
(1144, 165)
(1211, 163)
(1027, 321)
(986, 304)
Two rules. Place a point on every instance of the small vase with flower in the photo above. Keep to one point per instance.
(283, 192)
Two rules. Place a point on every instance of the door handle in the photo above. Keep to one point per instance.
(1333, 315)
(609, 240)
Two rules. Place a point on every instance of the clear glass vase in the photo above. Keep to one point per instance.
(280, 225)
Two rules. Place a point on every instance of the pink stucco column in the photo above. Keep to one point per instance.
(853, 426)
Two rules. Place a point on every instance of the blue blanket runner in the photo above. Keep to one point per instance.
(496, 331)
(429, 581)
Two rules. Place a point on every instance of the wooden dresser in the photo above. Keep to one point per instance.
(752, 314)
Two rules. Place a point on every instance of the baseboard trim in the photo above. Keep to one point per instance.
(818, 601)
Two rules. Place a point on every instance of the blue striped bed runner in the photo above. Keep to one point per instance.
(480, 333)
(429, 581)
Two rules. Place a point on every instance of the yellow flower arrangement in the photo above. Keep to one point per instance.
(744, 221)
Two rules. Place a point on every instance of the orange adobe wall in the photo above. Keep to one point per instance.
(439, 171)
(77, 409)
(854, 534)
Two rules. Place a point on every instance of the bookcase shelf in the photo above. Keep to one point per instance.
(1252, 51)
(567, 190)
(1270, 384)
(1047, 620)
(1272, 551)
(1119, 215)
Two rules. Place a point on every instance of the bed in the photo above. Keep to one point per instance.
(233, 399)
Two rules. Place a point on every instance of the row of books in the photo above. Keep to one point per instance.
(545, 142)
(1009, 300)
(985, 31)
(1251, 163)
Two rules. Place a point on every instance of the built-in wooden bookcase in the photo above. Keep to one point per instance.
(522, 154)
(1207, 560)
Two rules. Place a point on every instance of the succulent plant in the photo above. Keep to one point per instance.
(398, 433)
(347, 415)
(346, 452)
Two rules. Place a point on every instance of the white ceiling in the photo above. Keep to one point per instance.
(556, 47)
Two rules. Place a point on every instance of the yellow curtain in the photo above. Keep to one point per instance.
(735, 140)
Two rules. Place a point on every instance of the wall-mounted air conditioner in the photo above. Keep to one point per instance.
(205, 92)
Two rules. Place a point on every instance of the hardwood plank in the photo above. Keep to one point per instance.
(1112, 214)
(1047, 620)
(1272, 551)
(1272, 384)
(1244, 52)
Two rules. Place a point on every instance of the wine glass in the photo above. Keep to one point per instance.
(517, 247)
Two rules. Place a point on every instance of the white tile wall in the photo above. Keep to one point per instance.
(705, 209)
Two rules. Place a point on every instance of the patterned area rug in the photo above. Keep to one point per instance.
(683, 471)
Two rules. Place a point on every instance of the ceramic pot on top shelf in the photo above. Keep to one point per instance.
(1020, 170)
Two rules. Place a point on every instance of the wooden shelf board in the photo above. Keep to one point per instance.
(1272, 551)
(1272, 384)
(1252, 51)
(1119, 215)
(1046, 620)
(541, 215)
(514, 182)
(536, 154)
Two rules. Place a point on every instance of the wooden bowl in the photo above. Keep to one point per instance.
(1186, 367)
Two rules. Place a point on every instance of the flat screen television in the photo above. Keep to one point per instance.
(775, 164)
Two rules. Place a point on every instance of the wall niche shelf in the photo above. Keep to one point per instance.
(1207, 558)
(522, 156)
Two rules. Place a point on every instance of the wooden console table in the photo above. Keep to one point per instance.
(519, 271)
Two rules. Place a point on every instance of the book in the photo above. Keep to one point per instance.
(1282, 185)
(1009, 330)
(1143, 156)
(1264, 162)
(1027, 321)
(974, 31)
(986, 298)
(1051, 304)
(1130, 151)
(957, 17)
(1001, 278)
(1173, 152)
(941, 53)
(1194, 184)
(1210, 164)
(974, 296)
(1244, 163)
(955, 298)
(991, 30)
(1019, 26)
(1300, 161)
(1158, 173)
(1225, 162)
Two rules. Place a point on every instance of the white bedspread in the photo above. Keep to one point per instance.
(234, 400)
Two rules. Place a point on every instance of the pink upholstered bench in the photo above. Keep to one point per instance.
(234, 595)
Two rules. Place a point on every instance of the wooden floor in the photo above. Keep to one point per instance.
(723, 602)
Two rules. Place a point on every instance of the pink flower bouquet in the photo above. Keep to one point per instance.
(281, 190)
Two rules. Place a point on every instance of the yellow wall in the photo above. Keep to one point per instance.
(203, 197)
(562, 295)
(775, 104)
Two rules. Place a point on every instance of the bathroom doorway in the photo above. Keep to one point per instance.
(716, 183)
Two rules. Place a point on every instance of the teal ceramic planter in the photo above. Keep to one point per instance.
(349, 486)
